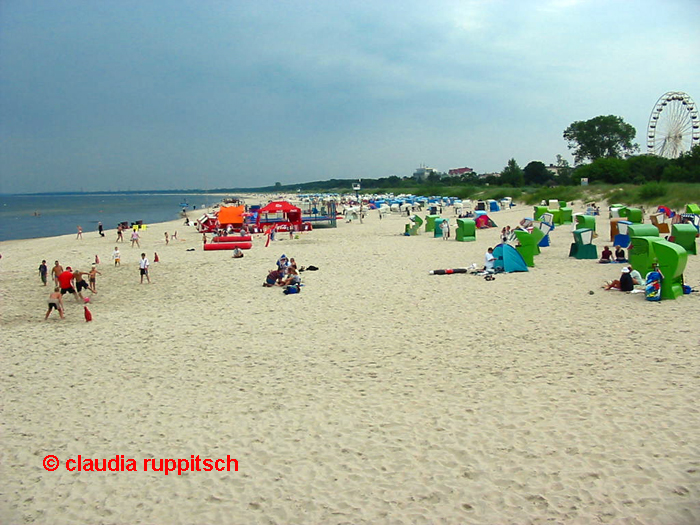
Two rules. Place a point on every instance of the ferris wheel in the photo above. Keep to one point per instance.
(674, 125)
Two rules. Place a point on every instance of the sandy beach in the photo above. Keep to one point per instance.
(379, 394)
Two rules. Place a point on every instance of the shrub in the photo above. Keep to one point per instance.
(651, 191)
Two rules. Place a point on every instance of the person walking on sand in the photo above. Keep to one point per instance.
(174, 236)
(80, 232)
(43, 271)
(167, 240)
(135, 239)
(120, 234)
(143, 268)
(56, 271)
(100, 229)
(117, 256)
(55, 301)
(92, 278)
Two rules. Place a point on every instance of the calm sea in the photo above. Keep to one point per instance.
(30, 216)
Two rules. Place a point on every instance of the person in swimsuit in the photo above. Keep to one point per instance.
(55, 302)
(56, 271)
(80, 284)
(92, 278)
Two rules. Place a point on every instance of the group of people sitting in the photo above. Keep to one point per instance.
(286, 274)
(631, 279)
(608, 257)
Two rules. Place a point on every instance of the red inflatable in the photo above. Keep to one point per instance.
(228, 246)
(233, 238)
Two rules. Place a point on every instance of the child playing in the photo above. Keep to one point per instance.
(43, 271)
(92, 278)
(117, 257)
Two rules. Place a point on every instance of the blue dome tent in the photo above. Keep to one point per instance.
(508, 259)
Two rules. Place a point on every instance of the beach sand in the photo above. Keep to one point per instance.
(379, 394)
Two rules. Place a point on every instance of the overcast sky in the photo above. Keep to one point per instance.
(174, 94)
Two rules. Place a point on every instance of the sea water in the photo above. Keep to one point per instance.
(31, 216)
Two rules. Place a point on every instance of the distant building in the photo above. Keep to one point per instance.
(423, 173)
(554, 169)
(458, 172)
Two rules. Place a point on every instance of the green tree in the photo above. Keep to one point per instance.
(512, 175)
(434, 178)
(646, 168)
(278, 185)
(601, 137)
(537, 174)
(612, 171)
(564, 171)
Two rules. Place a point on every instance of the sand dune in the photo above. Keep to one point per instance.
(380, 394)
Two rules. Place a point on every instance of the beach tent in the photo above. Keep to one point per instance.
(231, 215)
(291, 212)
(483, 221)
(508, 259)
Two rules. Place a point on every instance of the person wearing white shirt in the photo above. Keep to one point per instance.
(143, 266)
(488, 260)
